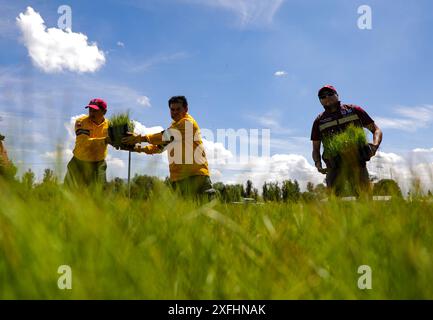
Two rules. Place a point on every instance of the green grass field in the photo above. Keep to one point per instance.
(169, 248)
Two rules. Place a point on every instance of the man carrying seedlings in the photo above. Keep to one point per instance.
(188, 165)
(345, 162)
(87, 166)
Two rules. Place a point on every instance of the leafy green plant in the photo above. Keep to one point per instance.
(348, 141)
(122, 119)
(120, 125)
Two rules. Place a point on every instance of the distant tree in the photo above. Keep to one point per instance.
(236, 191)
(220, 188)
(28, 179)
(229, 192)
(320, 188)
(249, 189)
(117, 185)
(49, 177)
(265, 192)
(309, 195)
(320, 191)
(255, 194)
(142, 186)
(273, 192)
(291, 191)
(387, 187)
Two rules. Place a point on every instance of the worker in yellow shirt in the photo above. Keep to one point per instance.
(188, 166)
(87, 166)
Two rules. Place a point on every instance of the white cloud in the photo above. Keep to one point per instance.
(144, 101)
(55, 50)
(120, 44)
(411, 118)
(115, 163)
(142, 129)
(61, 154)
(250, 12)
(405, 169)
(280, 73)
(422, 150)
(64, 151)
(216, 153)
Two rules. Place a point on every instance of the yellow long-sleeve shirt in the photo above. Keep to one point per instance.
(184, 146)
(90, 142)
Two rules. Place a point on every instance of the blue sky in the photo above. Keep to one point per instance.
(223, 55)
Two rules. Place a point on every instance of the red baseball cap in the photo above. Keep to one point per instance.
(97, 104)
(327, 87)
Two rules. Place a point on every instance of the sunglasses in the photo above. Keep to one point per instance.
(326, 94)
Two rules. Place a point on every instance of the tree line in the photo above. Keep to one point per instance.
(143, 186)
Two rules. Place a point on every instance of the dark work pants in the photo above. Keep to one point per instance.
(348, 181)
(85, 173)
(193, 186)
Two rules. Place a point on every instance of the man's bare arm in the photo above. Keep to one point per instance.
(316, 156)
(377, 136)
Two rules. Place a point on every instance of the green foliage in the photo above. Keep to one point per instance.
(350, 140)
(291, 191)
(122, 119)
(169, 248)
(7, 170)
(119, 126)
(229, 192)
(143, 186)
(28, 179)
(387, 187)
(49, 177)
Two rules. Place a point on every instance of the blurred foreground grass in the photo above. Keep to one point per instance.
(169, 248)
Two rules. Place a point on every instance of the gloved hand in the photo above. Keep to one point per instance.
(133, 138)
(137, 148)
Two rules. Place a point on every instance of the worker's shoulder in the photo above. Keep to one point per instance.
(187, 118)
(82, 119)
(82, 122)
(348, 106)
(191, 119)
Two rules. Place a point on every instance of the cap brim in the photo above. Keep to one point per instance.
(92, 106)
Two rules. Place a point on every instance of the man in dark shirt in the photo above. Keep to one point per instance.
(335, 119)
